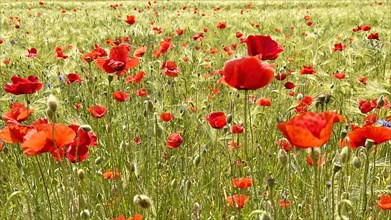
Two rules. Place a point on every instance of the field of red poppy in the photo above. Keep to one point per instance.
(195, 110)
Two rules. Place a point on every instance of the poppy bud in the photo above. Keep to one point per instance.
(50, 114)
(110, 78)
(328, 97)
(85, 214)
(369, 143)
(345, 153)
(149, 105)
(143, 201)
(337, 166)
(145, 113)
(197, 160)
(380, 102)
(356, 162)
(98, 160)
(299, 97)
(270, 182)
(229, 118)
(80, 173)
(52, 103)
(282, 157)
(321, 99)
(388, 187)
(99, 196)
(173, 183)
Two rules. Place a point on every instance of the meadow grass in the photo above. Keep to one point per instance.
(193, 181)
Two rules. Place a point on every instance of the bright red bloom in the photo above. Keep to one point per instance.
(310, 23)
(264, 102)
(221, 25)
(121, 96)
(284, 144)
(373, 36)
(170, 69)
(237, 201)
(140, 51)
(248, 73)
(97, 111)
(307, 70)
(365, 28)
(309, 129)
(289, 85)
(164, 48)
(236, 129)
(118, 61)
(281, 76)
(370, 119)
(363, 80)
(17, 113)
(77, 151)
(48, 138)
(130, 19)
(21, 85)
(112, 175)
(166, 116)
(239, 34)
(14, 132)
(242, 183)
(180, 31)
(142, 92)
(285, 203)
(32, 53)
(134, 79)
(73, 78)
(339, 76)
(358, 136)
(174, 140)
(366, 106)
(307, 17)
(339, 47)
(97, 52)
(263, 46)
(217, 119)
(385, 202)
(60, 54)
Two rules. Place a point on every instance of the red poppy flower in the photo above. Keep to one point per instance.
(310, 23)
(78, 106)
(373, 36)
(281, 76)
(248, 73)
(307, 70)
(366, 106)
(321, 160)
(217, 119)
(234, 145)
(237, 201)
(358, 136)
(309, 129)
(221, 25)
(60, 54)
(365, 28)
(307, 17)
(73, 78)
(164, 48)
(21, 85)
(339, 47)
(121, 96)
(130, 19)
(134, 79)
(170, 69)
(17, 113)
(236, 129)
(174, 140)
(77, 151)
(363, 80)
(180, 31)
(112, 175)
(264, 102)
(118, 61)
(48, 138)
(284, 144)
(385, 202)
(289, 85)
(142, 92)
(97, 111)
(285, 203)
(166, 116)
(370, 119)
(339, 76)
(140, 51)
(263, 46)
(32, 53)
(242, 183)
(14, 132)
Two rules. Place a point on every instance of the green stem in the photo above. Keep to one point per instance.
(332, 196)
(245, 125)
(315, 187)
(364, 188)
(46, 187)
(14, 194)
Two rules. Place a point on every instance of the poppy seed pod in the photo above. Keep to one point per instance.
(143, 201)
(52, 103)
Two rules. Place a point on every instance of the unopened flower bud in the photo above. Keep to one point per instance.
(345, 154)
(356, 162)
(85, 214)
(50, 114)
(52, 103)
(369, 143)
(270, 182)
(80, 173)
(149, 105)
(380, 102)
(265, 216)
(229, 118)
(299, 97)
(343, 133)
(197, 160)
(86, 128)
(143, 201)
(282, 157)
(98, 160)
